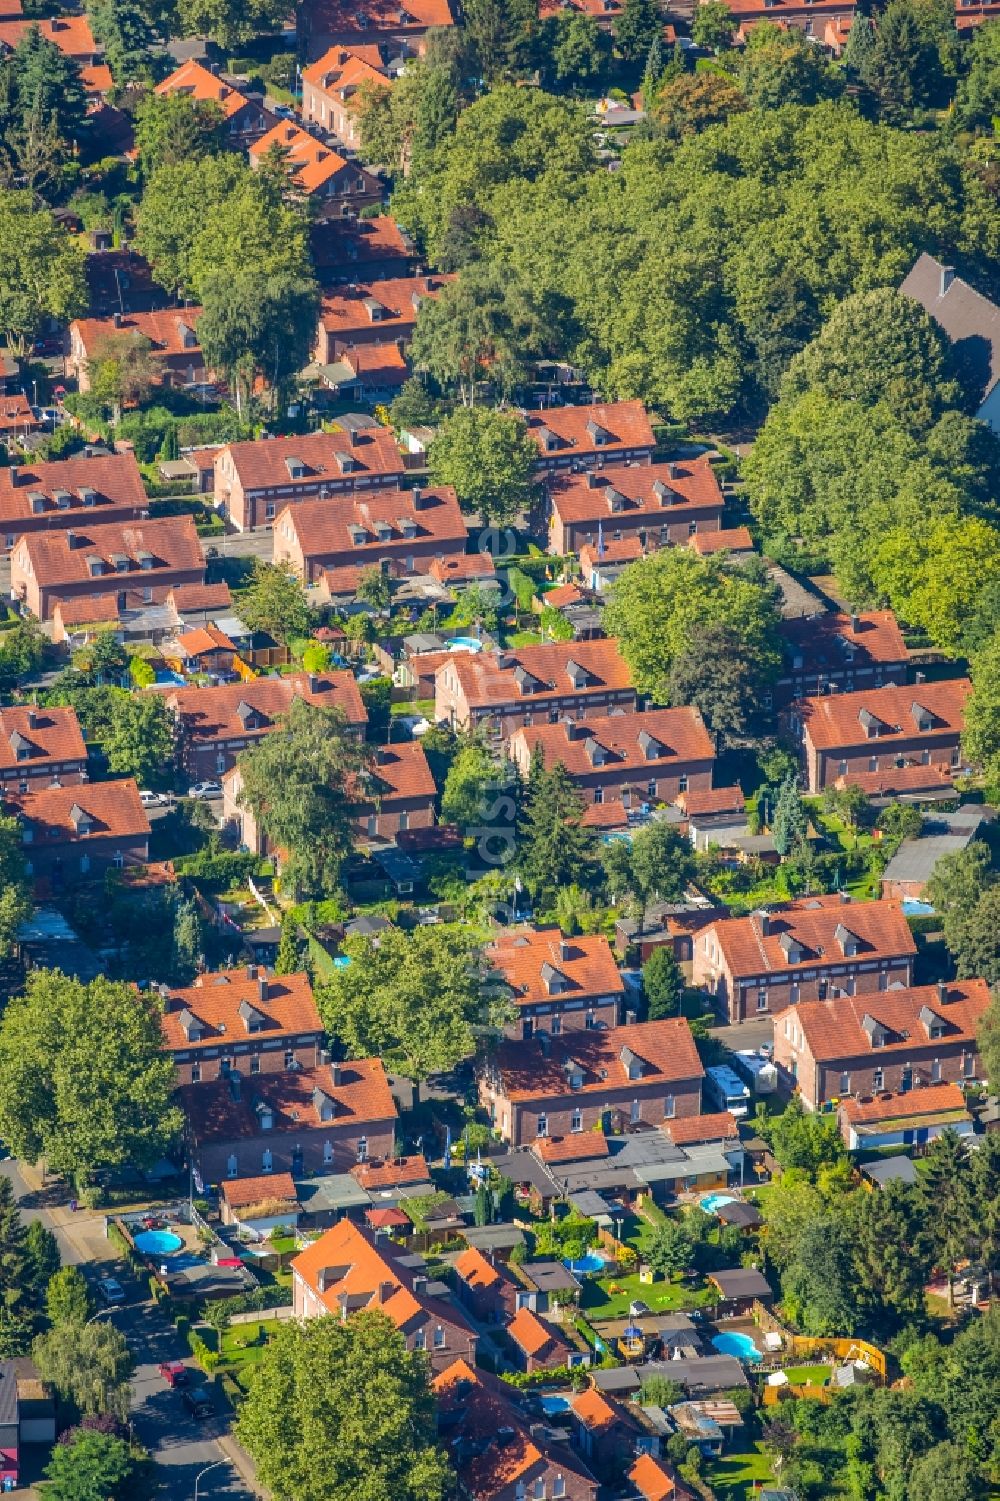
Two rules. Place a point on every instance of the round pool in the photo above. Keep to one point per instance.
(157, 1242)
(464, 643)
(740, 1345)
(712, 1203)
(589, 1263)
(553, 1403)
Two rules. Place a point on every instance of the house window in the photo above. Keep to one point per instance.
(591, 1021)
(556, 1026)
(372, 826)
(576, 1123)
(362, 1149)
(598, 795)
(845, 1084)
(651, 788)
(542, 1126)
(842, 768)
(84, 863)
(936, 1071)
(220, 763)
(873, 763)
(539, 1490)
(119, 859)
(669, 1107)
(266, 1161)
(793, 994)
(906, 1079)
(878, 1079)
(196, 1073)
(269, 511)
(231, 1166)
(682, 784)
(559, 1486)
(762, 1000)
(404, 822)
(289, 1057)
(925, 758)
(439, 1340)
(420, 1340)
(327, 1153)
(634, 1113)
(255, 1064)
(968, 1065)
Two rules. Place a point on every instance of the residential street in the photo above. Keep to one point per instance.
(181, 1446)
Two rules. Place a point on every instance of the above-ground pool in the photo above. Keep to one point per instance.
(464, 643)
(553, 1403)
(712, 1203)
(589, 1263)
(914, 908)
(740, 1345)
(157, 1242)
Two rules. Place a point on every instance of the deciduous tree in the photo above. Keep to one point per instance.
(274, 602)
(173, 130)
(713, 25)
(89, 1365)
(67, 1300)
(489, 459)
(41, 271)
(140, 738)
(94, 1467)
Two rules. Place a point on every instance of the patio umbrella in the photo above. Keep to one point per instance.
(632, 1332)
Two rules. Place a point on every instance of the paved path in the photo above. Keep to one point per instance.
(181, 1447)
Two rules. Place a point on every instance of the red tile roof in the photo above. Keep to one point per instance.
(930, 1099)
(171, 542)
(262, 465)
(594, 1411)
(400, 772)
(564, 594)
(92, 609)
(214, 1003)
(399, 1172)
(582, 1146)
(688, 1130)
(610, 553)
(15, 412)
(652, 1479)
(343, 68)
(730, 539)
(489, 679)
(243, 1193)
(112, 809)
(832, 722)
(190, 597)
(387, 1219)
(313, 164)
(376, 365)
(611, 814)
(347, 245)
(361, 526)
(625, 424)
(71, 34)
(340, 19)
(48, 734)
(530, 1334)
(832, 641)
(665, 1050)
(683, 487)
(212, 714)
(362, 1096)
(475, 1271)
(391, 304)
(713, 800)
(166, 330)
(462, 567)
(675, 736)
(835, 1029)
(30, 489)
(812, 922)
(97, 79)
(203, 641)
(197, 82)
(539, 964)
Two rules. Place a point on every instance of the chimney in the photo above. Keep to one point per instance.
(313, 683)
(335, 1073)
(71, 540)
(942, 990)
(14, 473)
(947, 277)
(855, 624)
(32, 719)
(845, 898)
(563, 949)
(765, 924)
(251, 971)
(673, 471)
(420, 1286)
(355, 437)
(262, 987)
(630, 1018)
(385, 1291)
(920, 677)
(118, 320)
(418, 499)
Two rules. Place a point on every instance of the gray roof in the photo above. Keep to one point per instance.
(485, 1238)
(742, 1282)
(590, 1203)
(712, 1373)
(549, 1276)
(8, 1393)
(942, 834)
(331, 1191)
(891, 1170)
(971, 321)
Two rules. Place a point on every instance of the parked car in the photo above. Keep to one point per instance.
(153, 799)
(203, 790)
(174, 1372)
(110, 1291)
(197, 1401)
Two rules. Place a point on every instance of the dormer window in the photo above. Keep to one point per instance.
(577, 675)
(553, 979)
(933, 1024)
(878, 1035)
(595, 751)
(631, 1063)
(548, 439)
(265, 1115)
(63, 499)
(191, 1025)
(251, 1018)
(37, 503)
(88, 497)
(870, 723)
(374, 309)
(324, 1105)
(791, 947)
(848, 941)
(96, 566)
(346, 463)
(922, 718)
(21, 747)
(248, 715)
(598, 435)
(81, 820)
(615, 499)
(296, 468)
(145, 560)
(119, 562)
(650, 749)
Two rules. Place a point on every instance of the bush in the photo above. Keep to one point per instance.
(209, 1360)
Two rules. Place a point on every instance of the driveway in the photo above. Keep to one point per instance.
(181, 1447)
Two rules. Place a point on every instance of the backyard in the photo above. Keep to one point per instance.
(735, 1477)
(600, 1302)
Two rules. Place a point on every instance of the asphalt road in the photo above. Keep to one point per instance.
(181, 1446)
(241, 545)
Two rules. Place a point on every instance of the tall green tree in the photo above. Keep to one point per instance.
(258, 325)
(140, 739)
(889, 1266)
(661, 864)
(47, 81)
(302, 782)
(669, 1249)
(663, 984)
(947, 1470)
(721, 674)
(957, 883)
(302, 1424)
(84, 1081)
(15, 1268)
(274, 602)
(905, 69)
(555, 847)
(88, 1365)
(713, 25)
(790, 823)
(818, 1285)
(174, 129)
(67, 1300)
(289, 957)
(94, 1467)
(15, 887)
(472, 782)
(639, 24)
(482, 327)
(945, 1195)
(41, 271)
(126, 36)
(977, 98)
(420, 1000)
(981, 736)
(229, 23)
(781, 67)
(489, 459)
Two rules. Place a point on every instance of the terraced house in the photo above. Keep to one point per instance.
(398, 530)
(40, 748)
(656, 505)
(67, 492)
(531, 685)
(241, 1019)
(813, 949)
(557, 984)
(132, 564)
(254, 481)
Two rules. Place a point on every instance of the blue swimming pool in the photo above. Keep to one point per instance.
(740, 1345)
(913, 908)
(157, 1242)
(464, 643)
(553, 1403)
(589, 1263)
(176, 678)
(342, 961)
(712, 1203)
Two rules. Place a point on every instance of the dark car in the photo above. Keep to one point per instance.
(174, 1372)
(197, 1401)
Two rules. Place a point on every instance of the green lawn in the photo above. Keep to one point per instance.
(801, 1375)
(236, 1351)
(524, 638)
(735, 1475)
(599, 1303)
(424, 706)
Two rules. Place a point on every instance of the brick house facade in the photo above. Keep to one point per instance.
(306, 1121)
(40, 748)
(79, 833)
(557, 984)
(839, 653)
(136, 563)
(606, 1080)
(657, 505)
(649, 756)
(372, 312)
(394, 529)
(532, 685)
(816, 948)
(330, 86)
(574, 438)
(256, 480)
(47, 496)
(867, 1044)
(241, 1019)
(886, 739)
(170, 334)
